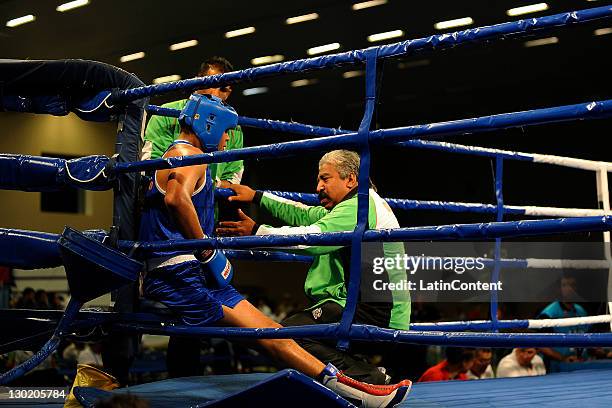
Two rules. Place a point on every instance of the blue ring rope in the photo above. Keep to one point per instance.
(409, 47)
(476, 231)
(374, 334)
(401, 203)
(581, 111)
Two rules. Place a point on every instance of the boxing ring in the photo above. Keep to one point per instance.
(114, 259)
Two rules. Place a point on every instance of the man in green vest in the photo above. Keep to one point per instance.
(163, 130)
(326, 282)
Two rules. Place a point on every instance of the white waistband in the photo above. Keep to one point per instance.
(164, 261)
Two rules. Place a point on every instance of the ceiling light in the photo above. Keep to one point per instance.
(541, 41)
(323, 48)
(20, 20)
(532, 8)
(302, 18)
(71, 5)
(603, 31)
(352, 74)
(385, 36)
(239, 32)
(167, 78)
(132, 57)
(255, 91)
(368, 4)
(184, 44)
(458, 22)
(303, 82)
(268, 59)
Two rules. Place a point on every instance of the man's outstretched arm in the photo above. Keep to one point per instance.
(290, 212)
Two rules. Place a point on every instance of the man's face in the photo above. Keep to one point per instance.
(222, 93)
(483, 359)
(331, 188)
(525, 355)
(223, 142)
(568, 289)
(467, 365)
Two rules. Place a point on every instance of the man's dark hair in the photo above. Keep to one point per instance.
(28, 291)
(456, 355)
(220, 63)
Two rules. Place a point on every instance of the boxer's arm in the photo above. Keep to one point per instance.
(181, 184)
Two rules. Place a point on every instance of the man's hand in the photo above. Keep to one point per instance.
(224, 184)
(244, 194)
(237, 228)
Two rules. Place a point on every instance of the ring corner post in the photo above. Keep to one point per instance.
(363, 197)
(122, 348)
(499, 196)
(603, 197)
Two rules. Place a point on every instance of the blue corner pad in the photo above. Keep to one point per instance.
(287, 388)
(93, 268)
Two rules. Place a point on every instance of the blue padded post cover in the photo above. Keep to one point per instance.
(93, 268)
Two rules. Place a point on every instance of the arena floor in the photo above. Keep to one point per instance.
(584, 388)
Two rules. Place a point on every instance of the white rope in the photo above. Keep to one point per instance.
(568, 263)
(559, 212)
(572, 162)
(584, 164)
(569, 321)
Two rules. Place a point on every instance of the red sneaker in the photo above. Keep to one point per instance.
(363, 394)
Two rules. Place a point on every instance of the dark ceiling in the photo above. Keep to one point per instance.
(462, 82)
(106, 30)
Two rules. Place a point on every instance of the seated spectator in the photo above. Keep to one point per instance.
(565, 307)
(42, 299)
(26, 301)
(91, 355)
(70, 354)
(58, 302)
(521, 362)
(598, 353)
(481, 369)
(43, 375)
(458, 362)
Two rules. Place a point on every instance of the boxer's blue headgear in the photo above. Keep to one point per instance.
(209, 117)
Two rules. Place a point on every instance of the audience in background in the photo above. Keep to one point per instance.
(91, 355)
(41, 299)
(521, 362)
(458, 362)
(481, 369)
(27, 299)
(565, 307)
(58, 302)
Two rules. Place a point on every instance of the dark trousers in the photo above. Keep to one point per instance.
(325, 350)
(183, 358)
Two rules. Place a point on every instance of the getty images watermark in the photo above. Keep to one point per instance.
(470, 271)
(412, 264)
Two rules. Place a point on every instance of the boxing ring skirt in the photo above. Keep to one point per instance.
(589, 388)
